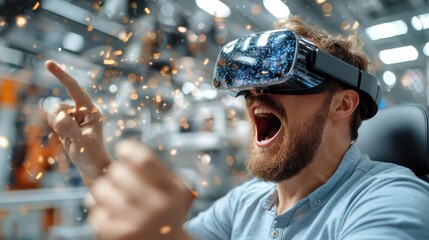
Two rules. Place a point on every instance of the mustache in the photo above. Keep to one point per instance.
(267, 101)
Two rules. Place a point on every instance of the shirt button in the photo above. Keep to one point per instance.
(318, 202)
(274, 233)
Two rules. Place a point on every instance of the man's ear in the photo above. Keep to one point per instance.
(344, 103)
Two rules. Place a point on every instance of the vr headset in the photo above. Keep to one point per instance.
(282, 62)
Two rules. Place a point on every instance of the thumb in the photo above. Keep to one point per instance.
(64, 124)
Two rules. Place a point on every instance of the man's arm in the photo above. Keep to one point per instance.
(136, 197)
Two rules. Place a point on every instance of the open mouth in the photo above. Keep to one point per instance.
(267, 124)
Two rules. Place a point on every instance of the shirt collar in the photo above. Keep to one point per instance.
(270, 199)
(347, 165)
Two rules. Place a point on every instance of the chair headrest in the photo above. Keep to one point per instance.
(398, 134)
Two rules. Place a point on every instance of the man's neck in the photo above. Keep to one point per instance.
(309, 179)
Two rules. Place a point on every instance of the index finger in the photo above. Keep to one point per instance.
(75, 91)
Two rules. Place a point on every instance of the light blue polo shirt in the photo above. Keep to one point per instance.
(364, 199)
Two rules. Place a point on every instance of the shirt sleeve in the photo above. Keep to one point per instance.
(392, 208)
(216, 222)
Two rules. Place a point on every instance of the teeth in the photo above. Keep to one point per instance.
(261, 111)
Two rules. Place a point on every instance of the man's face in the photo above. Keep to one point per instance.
(285, 133)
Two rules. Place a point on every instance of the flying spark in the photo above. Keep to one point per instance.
(39, 175)
(166, 229)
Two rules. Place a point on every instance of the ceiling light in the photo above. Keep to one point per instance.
(386, 30)
(397, 55)
(214, 7)
(277, 8)
(73, 42)
(70, 11)
(416, 23)
(420, 22)
(426, 49)
(389, 78)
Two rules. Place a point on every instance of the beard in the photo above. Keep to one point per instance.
(280, 162)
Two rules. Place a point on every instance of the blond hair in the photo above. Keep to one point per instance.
(349, 49)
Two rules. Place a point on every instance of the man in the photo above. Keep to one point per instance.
(311, 182)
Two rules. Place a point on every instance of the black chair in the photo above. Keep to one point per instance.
(398, 134)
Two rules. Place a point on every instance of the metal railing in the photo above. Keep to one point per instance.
(22, 213)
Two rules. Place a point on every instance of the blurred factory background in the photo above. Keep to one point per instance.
(148, 66)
